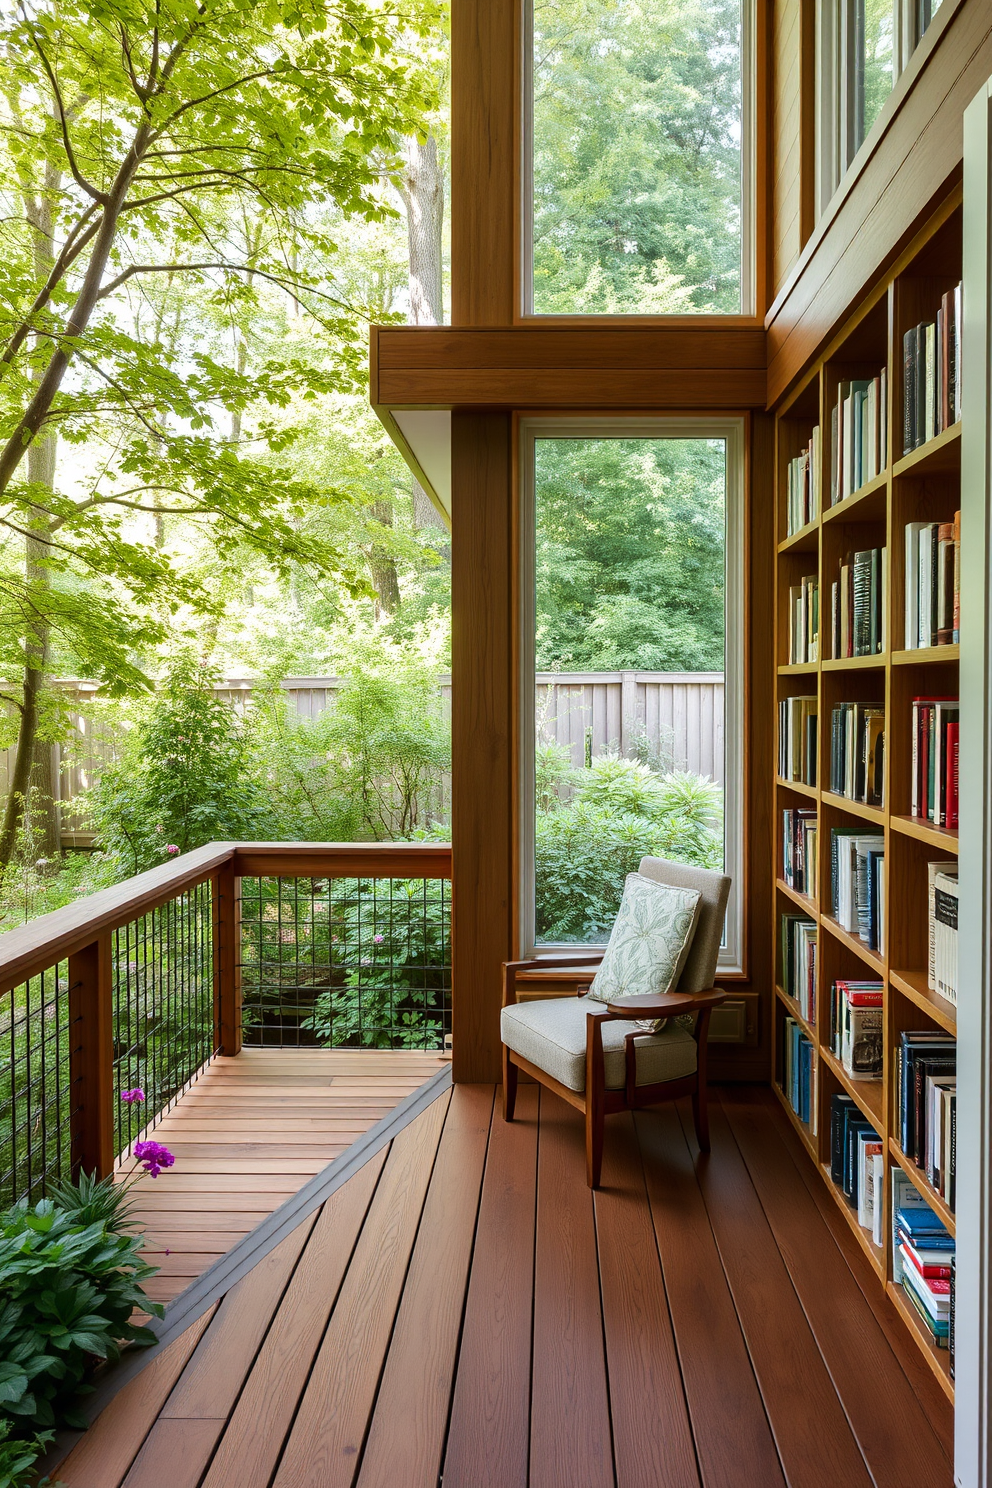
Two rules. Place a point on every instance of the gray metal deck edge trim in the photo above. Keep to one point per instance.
(219, 1278)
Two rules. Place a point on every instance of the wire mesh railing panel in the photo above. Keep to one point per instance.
(36, 1090)
(353, 963)
(163, 1006)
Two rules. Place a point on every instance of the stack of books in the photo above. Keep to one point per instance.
(857, 751)
(799, 962)
(799, 850)
(924, 1255)
(935, 749)
(857, 1162)
(931, 381)
(856, 611)
(799, 1073)
(857, 883)
(804, 486)
(933, 583)
(858, 426)
(856, 1028)
(804, 621)
(926, 1075)
(797, 739)
(942, 964)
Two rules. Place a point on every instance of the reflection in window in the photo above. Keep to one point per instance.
(630, 628)
(637, 157)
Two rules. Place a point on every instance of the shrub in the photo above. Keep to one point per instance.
(70, 1280)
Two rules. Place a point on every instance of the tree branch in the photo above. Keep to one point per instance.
(70, 154)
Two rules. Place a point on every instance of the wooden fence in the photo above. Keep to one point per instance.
(673, 718)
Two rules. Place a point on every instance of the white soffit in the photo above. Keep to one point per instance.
(428, 433)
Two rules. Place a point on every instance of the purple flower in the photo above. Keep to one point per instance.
(153, 1157)
(129, 1097)
(378, 939)
(171, 849)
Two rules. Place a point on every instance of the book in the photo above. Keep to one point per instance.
(945, 934)
(933, 868)
(931, 373)
(797, 739)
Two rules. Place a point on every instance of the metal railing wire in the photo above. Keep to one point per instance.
(37, 1093)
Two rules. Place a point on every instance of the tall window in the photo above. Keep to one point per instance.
(638, 135)
(631, 694)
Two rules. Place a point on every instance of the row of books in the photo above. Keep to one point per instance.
(857, 751)
(935, 754)
(799, 1073)
(858, 434)
(857, 1162)
(857, 626)
(799, 962)
(804, 485)
(931, 383)
(799, 835)
(804, 620)
(856, 1028)
(942, 962)
(926, 1080)
(797, 739)
(933, 583)
(857, 883)
(923, 1258)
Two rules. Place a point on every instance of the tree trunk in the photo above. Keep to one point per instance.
(422, 189)
(382, 568)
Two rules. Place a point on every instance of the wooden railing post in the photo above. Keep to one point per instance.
(91, 1058)
(227, 959)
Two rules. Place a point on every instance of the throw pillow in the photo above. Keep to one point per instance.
(649, 941)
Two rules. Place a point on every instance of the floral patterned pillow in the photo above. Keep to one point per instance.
(649, 942)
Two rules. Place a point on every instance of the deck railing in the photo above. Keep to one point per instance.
(141, 985)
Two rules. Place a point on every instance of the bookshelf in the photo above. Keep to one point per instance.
(920, 487)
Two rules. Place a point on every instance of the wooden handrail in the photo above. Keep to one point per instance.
(343, 859)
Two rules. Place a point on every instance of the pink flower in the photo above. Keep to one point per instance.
(171, 849)
(129, 1097)
(153, 1157)
(378, 939)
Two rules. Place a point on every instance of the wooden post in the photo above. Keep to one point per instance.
(227, 960)
(628, 712)
(91, 1058)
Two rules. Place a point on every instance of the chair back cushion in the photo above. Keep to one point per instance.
(699, 968)
(649, 941)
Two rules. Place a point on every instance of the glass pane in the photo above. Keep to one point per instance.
(629, 654)
(874, 60)
(637, 157)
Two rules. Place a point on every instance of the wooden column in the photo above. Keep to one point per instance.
(227, 959)
(91, 1058)
(482, 724)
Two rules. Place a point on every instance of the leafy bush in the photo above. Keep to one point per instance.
(18, 1455)
(70, 1280)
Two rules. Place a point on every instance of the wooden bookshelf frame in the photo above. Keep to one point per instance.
(922, 482)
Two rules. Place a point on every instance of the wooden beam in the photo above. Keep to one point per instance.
(91, 1058)
(482, 725)
(227, 960)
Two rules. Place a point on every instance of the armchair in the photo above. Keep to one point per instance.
(588, 1053)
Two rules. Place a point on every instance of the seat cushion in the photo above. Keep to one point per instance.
(649, 941)
(552, 1035)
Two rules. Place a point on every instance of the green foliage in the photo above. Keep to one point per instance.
(18, 1455)
(69, 1287)
(630, 554)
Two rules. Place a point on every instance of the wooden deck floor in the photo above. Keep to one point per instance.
(463, 1311)
(248, 1134)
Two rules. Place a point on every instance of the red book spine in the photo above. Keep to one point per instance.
(953, 734)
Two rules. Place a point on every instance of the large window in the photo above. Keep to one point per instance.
(631, 683)
(638, 158)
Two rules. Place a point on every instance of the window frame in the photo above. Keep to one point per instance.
(749, 216)
(573, 426)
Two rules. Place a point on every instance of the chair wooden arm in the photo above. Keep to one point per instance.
(511, 969)
(667, 1005)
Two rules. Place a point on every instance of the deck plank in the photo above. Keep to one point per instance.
(406, 1435)
(174, 1453)
(488, 1436)
(734, 1443)
(327, 1435)
(570, 1418)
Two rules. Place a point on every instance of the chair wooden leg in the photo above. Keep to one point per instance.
(701, 1118)
(595, 1125)
(510, 1073)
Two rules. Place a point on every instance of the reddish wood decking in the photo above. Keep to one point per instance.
(248, 1134)
(463, 1309)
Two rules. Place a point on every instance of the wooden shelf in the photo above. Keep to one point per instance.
(793, 1007)
(873, 814)
(913, 984)
(797, 785)
(799, 669)
(854, 943)
(868, 1095)
(940, 454)
(874, 1252)
(939, 1359)
(927, 655)
(806, 540)
(856, 663)
(804, 1132)
(803, 900)
(923, 1185)
(864, 505)
(944, 838)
